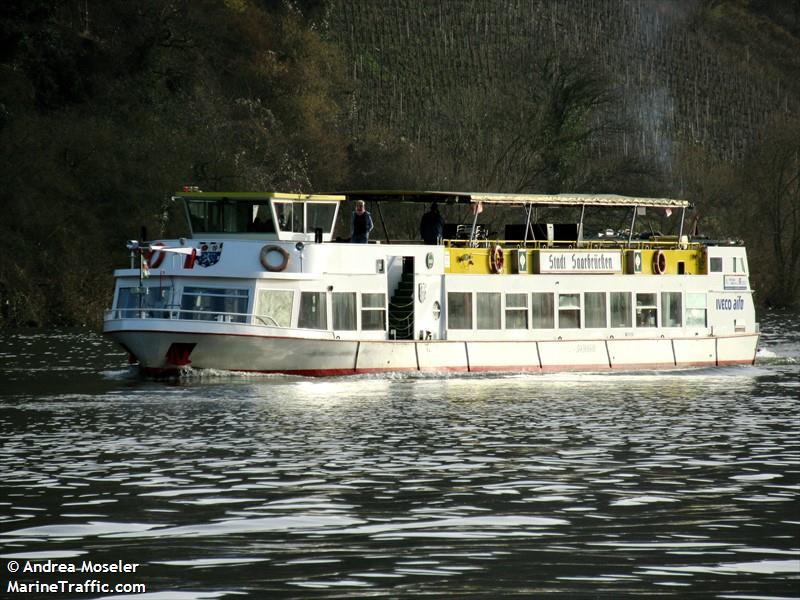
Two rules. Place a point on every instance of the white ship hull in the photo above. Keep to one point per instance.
(248, 352)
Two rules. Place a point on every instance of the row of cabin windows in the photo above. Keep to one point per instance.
(546, 310)
(274, 307)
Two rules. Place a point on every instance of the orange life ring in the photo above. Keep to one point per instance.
(154, 258)
(659, 262)
(266, 250)
(496, 259)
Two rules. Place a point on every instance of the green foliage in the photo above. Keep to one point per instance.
(107, 107)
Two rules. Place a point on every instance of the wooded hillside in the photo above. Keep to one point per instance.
(106, 107)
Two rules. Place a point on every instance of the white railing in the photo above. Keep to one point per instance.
(181, 314)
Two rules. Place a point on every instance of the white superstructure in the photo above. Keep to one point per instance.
(260, 284)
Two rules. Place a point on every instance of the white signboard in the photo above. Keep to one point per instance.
(735, 282)
(580, 261)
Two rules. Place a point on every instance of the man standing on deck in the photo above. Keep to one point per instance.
(431, 226)
(361, 225)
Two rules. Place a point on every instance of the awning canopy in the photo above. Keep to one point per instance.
(513, 199)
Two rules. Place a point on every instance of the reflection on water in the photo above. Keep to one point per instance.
(580, 485)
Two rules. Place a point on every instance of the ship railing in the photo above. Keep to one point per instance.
(667, 243)
(182, 314)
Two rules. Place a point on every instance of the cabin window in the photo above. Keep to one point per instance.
(646, 310)
(715, 264)
(275, 308)
(373, 312)
(542, 308)
(312, 314)
(488, 310)
(290, 216)
(671, 311)
(143, 302)
(516, 311)
(214, 304)
(320, 215)
(344, 311)
(695, 310)
(569, 311)
(595, 303)
(459, 310)
(621, 309)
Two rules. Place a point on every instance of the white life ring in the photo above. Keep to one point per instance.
(271, 266)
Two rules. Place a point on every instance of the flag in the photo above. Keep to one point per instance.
(668, 212)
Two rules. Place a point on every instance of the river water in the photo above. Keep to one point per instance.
(677, 485)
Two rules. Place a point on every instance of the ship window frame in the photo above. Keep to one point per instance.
(462, 315)
(626, 311)
(696, 305)
(344, 311)
(715, 264)
(322, 304)
(368, 313)
(517, 315)
(160, 310)
(569, 315)
(591, 316)
(199, 311)
(540, 317)
(646, 312)
(297, 216)
(488, 308)
(669, 316)
(273, 322)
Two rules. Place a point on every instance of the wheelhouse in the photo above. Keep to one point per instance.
(272, 216)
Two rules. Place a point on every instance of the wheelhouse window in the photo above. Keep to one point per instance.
(144, 302)
(696, 310)
(671, 311)
(320, 215)
(373, 312)
(312, 313)
(275, 308)
(516, 311)
(621, 309)
(569, 311)
(715, 264)
(226, 215)
(488, 310)
(290, 216)
(646, 310)
(214, 304)
(459, 310)
(595, 303)
(542, 310)
(344, 311)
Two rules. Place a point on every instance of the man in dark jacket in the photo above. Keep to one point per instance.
(361, 225)
(431, 226)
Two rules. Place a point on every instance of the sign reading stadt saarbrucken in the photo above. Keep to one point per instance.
(579, 261)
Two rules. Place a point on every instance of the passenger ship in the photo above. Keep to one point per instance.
(259, 284)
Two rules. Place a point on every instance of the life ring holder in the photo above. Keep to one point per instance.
(496, 259)
(265, 251)
(154, 258)
(659, 262)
